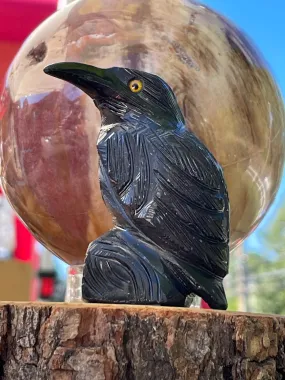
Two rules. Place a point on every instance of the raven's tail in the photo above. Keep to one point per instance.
(202, 283)
(122, 267)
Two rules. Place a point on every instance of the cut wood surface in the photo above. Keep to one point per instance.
(110, 342)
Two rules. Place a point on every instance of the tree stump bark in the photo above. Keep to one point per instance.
(104, 342)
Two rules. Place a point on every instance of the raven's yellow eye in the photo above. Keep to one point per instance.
(136, 85)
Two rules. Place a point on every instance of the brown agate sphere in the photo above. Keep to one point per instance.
(49, 161)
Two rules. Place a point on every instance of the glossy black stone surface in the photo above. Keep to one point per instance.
(165, 190)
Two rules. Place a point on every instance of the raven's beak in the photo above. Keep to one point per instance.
(87, 78)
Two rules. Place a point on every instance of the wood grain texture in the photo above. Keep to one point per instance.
(103, 342)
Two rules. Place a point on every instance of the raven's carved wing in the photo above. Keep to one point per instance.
(172, 190)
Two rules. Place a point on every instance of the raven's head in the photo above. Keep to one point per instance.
(123, 94)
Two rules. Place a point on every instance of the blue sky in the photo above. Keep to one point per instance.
(263, 22)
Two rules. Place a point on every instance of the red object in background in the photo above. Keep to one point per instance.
(18, 18)
(8, 51)
(25, 247)
(47, 287)
(25, 242)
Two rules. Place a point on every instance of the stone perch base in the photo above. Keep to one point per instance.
(104, 342)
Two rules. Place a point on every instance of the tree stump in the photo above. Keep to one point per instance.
(107, 342)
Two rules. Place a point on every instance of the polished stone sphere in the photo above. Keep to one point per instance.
(49, 161)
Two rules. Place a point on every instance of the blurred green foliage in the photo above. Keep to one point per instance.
(264, 272)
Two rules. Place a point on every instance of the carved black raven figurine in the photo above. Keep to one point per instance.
(165, 189)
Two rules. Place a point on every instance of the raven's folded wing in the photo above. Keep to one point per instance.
(173, 190)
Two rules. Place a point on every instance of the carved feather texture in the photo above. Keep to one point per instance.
(116, 271)
(171, 190)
